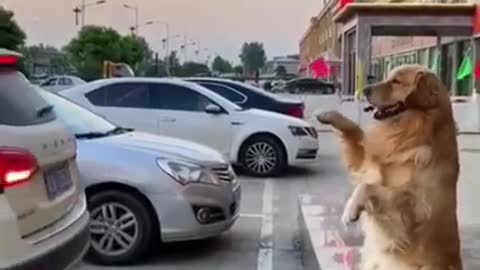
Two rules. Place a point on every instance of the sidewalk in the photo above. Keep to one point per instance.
(329, 246)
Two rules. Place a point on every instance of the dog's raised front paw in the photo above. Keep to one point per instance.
(329, 117)
(351, 212)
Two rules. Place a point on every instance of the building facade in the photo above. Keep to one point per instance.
(389, 52)
(320, 37)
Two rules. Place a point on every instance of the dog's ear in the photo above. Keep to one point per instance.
(426, 93)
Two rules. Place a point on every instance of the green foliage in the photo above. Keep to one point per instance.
(221, 65)
(174, 64)
(95, 44)
(238, 70)
(253, 56)
(12, 37)
(193, 69)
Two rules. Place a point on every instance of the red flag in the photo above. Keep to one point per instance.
(477, 71)
(320, 68)
(345, 2)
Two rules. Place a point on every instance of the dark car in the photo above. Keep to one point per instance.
(249, 96)
(309, 85)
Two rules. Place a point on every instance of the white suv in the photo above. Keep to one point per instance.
(43, 216)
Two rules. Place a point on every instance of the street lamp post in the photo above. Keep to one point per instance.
(136, 10)
(82, 9)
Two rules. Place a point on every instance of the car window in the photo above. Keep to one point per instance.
(20, 104)
(97, 97)
(226, 92)
(50, 82)
(127, 95)
(173, 97)
(78, 119)
(65, 81)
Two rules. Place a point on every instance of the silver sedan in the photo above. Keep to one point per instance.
(142, 188)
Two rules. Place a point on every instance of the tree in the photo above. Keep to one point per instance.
(238, 70)
(281, 71)
(12, 37)
(253, 57)
(174, 64)
(194, 69)
(95, 44)
(221, 65)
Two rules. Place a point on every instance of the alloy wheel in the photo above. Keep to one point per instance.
(261, 157)
(113, 229)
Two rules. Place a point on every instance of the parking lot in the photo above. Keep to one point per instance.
(255, 235)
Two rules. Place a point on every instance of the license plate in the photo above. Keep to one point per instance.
(57, 182)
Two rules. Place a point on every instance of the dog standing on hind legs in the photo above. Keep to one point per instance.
(406, 170)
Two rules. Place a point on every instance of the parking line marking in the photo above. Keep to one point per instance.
(265, 254)
(249, 215)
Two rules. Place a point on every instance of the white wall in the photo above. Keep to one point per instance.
(466, 113)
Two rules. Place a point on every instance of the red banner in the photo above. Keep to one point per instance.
(476, 20)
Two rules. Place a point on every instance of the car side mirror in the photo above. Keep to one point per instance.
(213, 109)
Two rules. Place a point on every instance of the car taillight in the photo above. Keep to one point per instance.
(16, 166)
(9, 58)
(296, 111)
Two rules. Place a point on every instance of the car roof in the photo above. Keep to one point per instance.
(5, 52)
(176, 81)
(250, 88)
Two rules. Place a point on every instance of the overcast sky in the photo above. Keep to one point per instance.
(219, 25)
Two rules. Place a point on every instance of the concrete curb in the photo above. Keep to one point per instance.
(326, 243)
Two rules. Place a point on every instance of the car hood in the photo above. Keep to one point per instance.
(163, 146)
(269, 116)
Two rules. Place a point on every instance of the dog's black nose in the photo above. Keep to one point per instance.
(367, 91)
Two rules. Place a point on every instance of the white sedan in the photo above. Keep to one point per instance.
(59, 83)
(263, 143)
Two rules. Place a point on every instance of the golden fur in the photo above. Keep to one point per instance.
(406, 169)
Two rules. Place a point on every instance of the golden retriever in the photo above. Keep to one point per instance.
(406, 168)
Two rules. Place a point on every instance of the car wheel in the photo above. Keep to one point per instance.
(263, 156)
(121, 228)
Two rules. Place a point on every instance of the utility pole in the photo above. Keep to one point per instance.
(136, 10)
(83, 14)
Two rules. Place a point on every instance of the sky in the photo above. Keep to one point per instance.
(219, 27)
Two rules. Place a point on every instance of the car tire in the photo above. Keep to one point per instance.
(143, 231)
(263, 147)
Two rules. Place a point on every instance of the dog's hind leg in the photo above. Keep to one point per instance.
(393, 210)
(352, 137)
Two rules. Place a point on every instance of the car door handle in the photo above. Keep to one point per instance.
(168, 119)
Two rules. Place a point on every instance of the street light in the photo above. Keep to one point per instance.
(135, 9)
(83, 7)
(135, 28)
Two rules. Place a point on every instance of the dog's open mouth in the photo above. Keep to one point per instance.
(382, 112)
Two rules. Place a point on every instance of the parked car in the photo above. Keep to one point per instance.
(309, 85)
(263, 142)
(43, 211)
(143, 187)
(59, 83)
(249, 96)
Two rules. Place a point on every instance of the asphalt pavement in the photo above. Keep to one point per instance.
(266, 236)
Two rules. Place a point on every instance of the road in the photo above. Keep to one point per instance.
(268, 222)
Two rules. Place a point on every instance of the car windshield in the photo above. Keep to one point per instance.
(78, 119)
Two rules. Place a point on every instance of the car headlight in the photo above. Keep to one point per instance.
(186, 172)
(298, 131)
